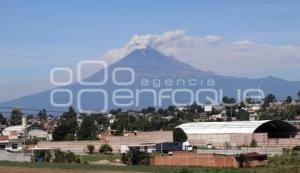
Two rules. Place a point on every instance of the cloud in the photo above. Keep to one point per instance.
(207, 53)
(212, 53)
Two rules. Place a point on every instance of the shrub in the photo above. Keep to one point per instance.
(70, 137)
(91, 148)
(47, 156)
(62, 157)
(135, 157)
(70, 157)
(253, 143)
(39, 155)
(185, 170)
(227, 145)
(125, 158)
(59, 156)
(105, 148)
(33, 141)
(77, 161)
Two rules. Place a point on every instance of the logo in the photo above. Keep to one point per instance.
(129, 92)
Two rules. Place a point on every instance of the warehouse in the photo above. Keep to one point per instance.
(32, 131)
(241, 133)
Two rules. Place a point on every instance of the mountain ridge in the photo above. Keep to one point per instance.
(152, 65)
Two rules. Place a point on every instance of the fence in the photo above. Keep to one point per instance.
(260, 150)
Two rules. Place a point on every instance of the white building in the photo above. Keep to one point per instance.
(16, 132)
(11, 145)
(241, 133)
(13, 132)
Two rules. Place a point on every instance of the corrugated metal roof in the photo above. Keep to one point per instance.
(221, 127)
(14, 128)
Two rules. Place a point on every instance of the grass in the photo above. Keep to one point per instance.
(279, 164)
(286, 158)
(154, 169)
(97, 157)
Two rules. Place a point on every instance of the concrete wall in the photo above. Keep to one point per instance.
(77, 147)
(114, 141)
(259, 150)
(16, 157)
(235, 140)
(218, 140)
(284, 142)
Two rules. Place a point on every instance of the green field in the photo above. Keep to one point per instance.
(155, 169)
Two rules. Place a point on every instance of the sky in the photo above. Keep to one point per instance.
(36, 36)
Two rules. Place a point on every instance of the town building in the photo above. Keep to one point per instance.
(209, 160)
(32, 131)
(10, 144)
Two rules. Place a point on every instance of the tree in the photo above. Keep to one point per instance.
(151, 109)
(179, 135)
(105, 148)
(102, 121)
(171, 108)
(67, 126)
(298, 94)
(91, 149)
(196, 108)
(161, 111)
(288, 99)
(60, 133)
(16, 117)
(228, 100)
(42, 115)
(242, 115)
(269, 99)
(2, 119)
(30, 117)
(115, 111)
(88, 129)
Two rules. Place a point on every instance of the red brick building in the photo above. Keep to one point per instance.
(208, 160)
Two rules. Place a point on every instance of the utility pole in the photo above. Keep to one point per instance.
(161, 144)
(24, 129)
(231, 112)
(290, 147)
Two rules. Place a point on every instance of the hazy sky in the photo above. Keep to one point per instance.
(37, 35)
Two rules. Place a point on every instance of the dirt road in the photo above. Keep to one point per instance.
(44, 170)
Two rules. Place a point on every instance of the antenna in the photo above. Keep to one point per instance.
(259, 100)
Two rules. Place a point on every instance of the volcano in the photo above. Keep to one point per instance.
(146, 77)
